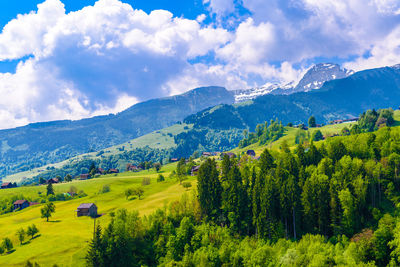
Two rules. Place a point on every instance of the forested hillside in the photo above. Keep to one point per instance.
(331, 203)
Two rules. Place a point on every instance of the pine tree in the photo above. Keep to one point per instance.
(225, 167)
(209, 190)
(95, 254)
(50, 190)
(266, 161)
(234, 200)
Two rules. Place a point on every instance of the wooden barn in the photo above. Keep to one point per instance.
(21, 204)
(7, 185)
(87, 209)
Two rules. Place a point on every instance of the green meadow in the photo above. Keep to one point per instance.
(64, 239)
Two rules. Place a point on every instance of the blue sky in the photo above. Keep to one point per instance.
(64, 59)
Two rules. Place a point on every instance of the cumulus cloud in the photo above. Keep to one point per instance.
(100, 59)
(307, 29)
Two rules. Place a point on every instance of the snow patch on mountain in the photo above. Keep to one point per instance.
(314, 79)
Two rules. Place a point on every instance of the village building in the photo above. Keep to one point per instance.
(87, 209)
(84, 176)
(7, 185)
(132, 168)
(251, 153)
(100, 171)
(194, 170)
(174, 159)
(113, 171)
(21, 204)
(207, 154)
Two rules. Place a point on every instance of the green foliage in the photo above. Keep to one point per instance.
(311, 122)
(209, 189)
(7, 244)
(47, 210)
(264, 134)
(49, 189)
(317, 136)
(105, 189)
(138, 191)
(157, 166)
(187, 185)
(32, 230)
(21, 235)
(160, 178)
(372, 120)
(146, 181)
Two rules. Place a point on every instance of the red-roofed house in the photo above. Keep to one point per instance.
(7, 185)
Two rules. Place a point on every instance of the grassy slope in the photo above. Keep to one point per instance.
(158, 139)
(64, 239)
(290, 135)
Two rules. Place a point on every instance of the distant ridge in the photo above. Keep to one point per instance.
(38, 144)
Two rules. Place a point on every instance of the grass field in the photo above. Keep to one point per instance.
(290, 136)
(64, 239)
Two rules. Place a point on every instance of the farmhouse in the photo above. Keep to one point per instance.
(174, 159)
(7, 185)
(21, 204)
(87, 209)
(84, 176)
(113, 171)
(194, 170)
(100, 171)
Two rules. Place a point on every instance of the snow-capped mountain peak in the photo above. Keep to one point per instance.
(314, 78)
(319, 74)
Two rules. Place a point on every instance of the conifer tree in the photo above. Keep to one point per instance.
(209, 189)
(95, 254)
(50, 190)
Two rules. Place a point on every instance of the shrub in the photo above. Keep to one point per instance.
(187, 185)
(105, 189)
(146, 181)
(160, 178)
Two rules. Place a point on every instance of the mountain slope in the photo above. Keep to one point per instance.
(39, 144)
(314, 78)
(336, 99)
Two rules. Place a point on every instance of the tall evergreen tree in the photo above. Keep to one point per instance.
(95, 254)
(209, 189)
(50, 190)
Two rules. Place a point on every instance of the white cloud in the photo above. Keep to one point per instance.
(384, 53)
(97, 60)
(220, 7)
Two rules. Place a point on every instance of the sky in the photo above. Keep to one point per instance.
(66, 59)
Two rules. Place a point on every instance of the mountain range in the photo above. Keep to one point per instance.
(38, 144)
(340, 94)
(313, 79)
